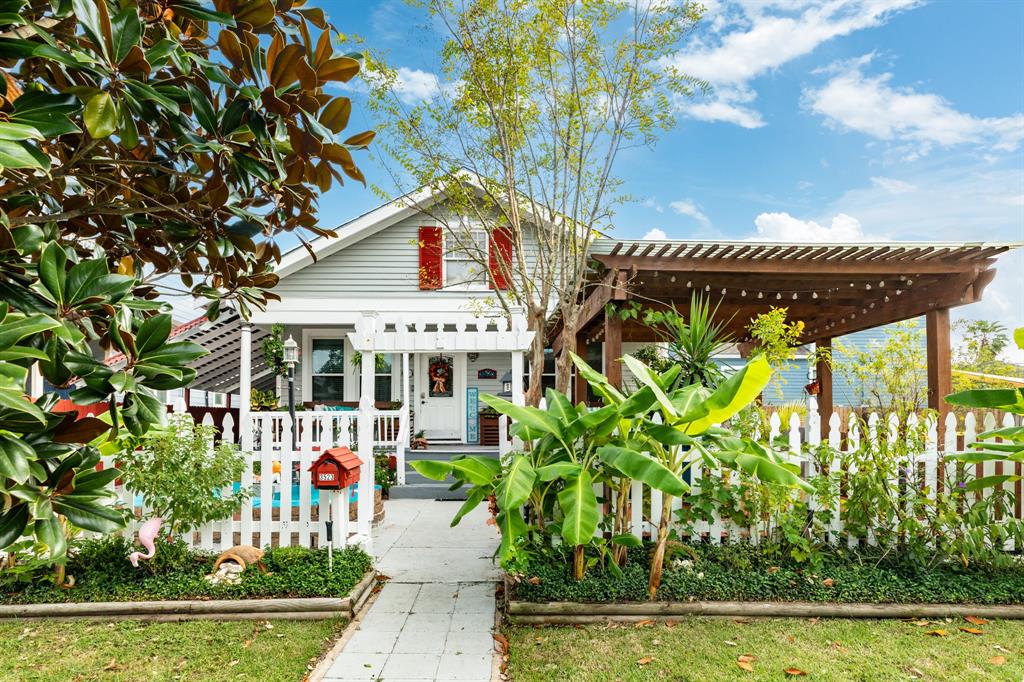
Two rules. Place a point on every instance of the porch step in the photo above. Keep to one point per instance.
(418, 487)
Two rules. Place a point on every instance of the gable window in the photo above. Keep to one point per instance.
(328, 370)
(462, 260)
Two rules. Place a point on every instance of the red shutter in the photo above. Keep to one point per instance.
(499, 256)
(431, 257)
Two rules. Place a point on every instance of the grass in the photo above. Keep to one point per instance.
(133, 650)
(709, 649)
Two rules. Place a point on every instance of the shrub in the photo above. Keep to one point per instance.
(182, 477)
(102, 573)
(745, 573)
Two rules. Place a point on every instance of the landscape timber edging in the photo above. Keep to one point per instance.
(572, 613)
(314, 608)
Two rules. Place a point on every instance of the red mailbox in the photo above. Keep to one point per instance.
(336, 468)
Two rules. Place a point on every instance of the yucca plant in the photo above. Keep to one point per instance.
(693, 341)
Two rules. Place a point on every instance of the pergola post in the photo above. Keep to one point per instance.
(613, 349)
(245, 389)
(823, 373)
(940, 383)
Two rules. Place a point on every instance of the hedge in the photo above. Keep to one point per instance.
(102, 573)
(744, 573)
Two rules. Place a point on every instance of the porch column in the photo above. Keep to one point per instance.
(940, 383)
(823, 372)
(579, 387)
(518, 397)
(613, 349)
(366, 330)
(403, 431)
(245, 389)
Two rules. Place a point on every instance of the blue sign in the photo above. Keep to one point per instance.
(472, 420)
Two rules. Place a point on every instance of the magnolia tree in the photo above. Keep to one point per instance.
(138, 141)
(544, 97)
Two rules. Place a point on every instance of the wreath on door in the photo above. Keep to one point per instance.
(440, 374)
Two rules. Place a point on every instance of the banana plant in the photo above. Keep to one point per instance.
(1010, 447)
(663, 434)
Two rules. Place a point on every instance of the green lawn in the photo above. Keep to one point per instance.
(710, 649)
(135, 650)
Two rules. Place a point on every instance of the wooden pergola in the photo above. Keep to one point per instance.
(835, 289)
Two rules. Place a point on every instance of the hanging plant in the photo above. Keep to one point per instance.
(273, 350)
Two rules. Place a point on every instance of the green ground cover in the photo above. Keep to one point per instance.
(42, 651)
(702, 649)
(743, 572)
(102, 573)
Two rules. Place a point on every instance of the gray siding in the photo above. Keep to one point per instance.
(385, 264)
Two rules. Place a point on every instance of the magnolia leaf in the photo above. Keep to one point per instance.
(101, 116)
(21, 155)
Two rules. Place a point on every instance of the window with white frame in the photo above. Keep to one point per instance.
(463, 255)
(327, 369)
(382, 378)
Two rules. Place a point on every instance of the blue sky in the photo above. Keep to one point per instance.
(829, 120)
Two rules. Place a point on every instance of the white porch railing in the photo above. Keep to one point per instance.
(284, 508)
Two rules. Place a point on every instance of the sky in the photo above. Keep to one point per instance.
(829, 120)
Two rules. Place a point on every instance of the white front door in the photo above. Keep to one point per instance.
(441, 385)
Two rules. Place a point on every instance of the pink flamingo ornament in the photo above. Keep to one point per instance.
(147, 534)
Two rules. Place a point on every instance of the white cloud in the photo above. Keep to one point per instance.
(893, 186)
(804, 185)
(414, 85)
(744, 41)
(656, 233)
(782, 227)
(688, 208)
(652, 202)
(853, 100)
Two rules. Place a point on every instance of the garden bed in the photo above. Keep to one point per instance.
(745, 581)
(296, 585)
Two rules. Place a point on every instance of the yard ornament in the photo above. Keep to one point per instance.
(147, 534)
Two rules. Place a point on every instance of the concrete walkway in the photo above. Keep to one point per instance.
(433, 619)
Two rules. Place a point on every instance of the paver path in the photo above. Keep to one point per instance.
(433, 619)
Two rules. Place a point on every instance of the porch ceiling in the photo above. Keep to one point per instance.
(218, 371)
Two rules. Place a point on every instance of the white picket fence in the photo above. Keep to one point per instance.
(645, 505)
(284, 508)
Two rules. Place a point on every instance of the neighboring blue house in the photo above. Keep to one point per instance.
(788, 385)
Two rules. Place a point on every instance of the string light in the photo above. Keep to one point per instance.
(707, 287)
(760, 294)
(814, 295)
(672, 278)
(743, 293)
(723, 291)
(899, 292)
(909, 282)
(689, 284)
(868, 286)
(778, 296)
(886, 299)
(881, 284)
(794, 295)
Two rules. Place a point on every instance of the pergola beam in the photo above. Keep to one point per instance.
(778, 265)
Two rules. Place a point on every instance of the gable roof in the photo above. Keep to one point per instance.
(357, 229)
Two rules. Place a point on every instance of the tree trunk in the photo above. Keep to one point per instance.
(658, 560)
(563, 367)
(619, 552)
(536, 322)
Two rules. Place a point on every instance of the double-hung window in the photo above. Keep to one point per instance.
(328, 370)
(463, 255)
(382, 378)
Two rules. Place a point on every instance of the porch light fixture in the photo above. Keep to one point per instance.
(506, 384)
(290, 355)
